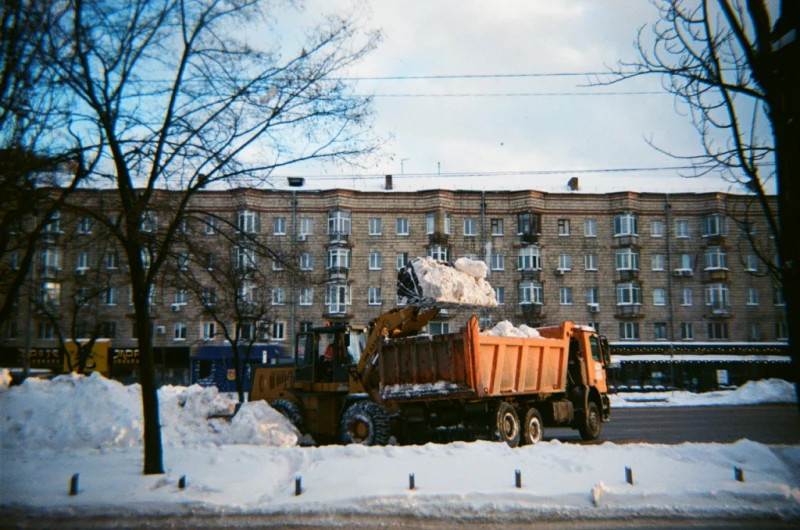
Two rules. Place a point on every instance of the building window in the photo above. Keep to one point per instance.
(717, 295)
(278, 296)
(246, 258)
(530, 293)
(110, 296)
(686, 331)
(656, 229)
(84, 261)
(279, 226)
(629, 294)
(439, 328)
(401, 260)
(86, 225)
(180, 332)
(629, 330)
(108, 330)
(497, 227)
(755, 331)
(590, 261)
(589, 228)
(713, 225)
(209, 330)
(149, 222)
(11, 330)
(248, 222)
(626, 225)
(439, 252)
(751, 263)
(565, 295)
(595, 326)
(752, 296)
(430, 223)
(446, 223)
(46, 331)
(500, 295)
(338, 298)
(183, 260)
(716, 258)
(780, 331)
(375, 261)
(563, 227)
(529, 258)
(498, 262)
(211, 225)
(402, 227)
(306, 325)
(209, 296)
(338, 223)
(374, 296)
(627, 259)
(565, 262)
(279, 331)
(244, 331)
(375, 226)
(685, 262)
(338, 258)
(51, 293)
(685, 297)
(658, 297)
(306, 296)
(778, 298)
(181, 297)
(306, 226)
(592, 295)
(470, 227)
(660, 330)
(657, 261)
(681, 228)
(112, 260)
(306, 261)
(51, 260)
(717, 330)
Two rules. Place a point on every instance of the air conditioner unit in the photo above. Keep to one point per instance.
(80, 272)
(160, 330)
(176, 307)
(594, 308)
(301, 237)
(560, 272)
(687, 272)
(263, 336)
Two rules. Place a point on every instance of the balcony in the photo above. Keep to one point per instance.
(719, 310)
(438, 238)
(529, 239)
(531, 274)
(339, 238)
(628, 240)
(337, 313)
(48, 272)
(628, 275)
(683, 273)
(533, 314)
(714, 240)
(715, 275)
(338, 273)
(629, 311)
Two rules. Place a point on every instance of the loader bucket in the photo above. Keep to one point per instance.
(409, 286)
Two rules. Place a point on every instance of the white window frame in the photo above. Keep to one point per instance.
(626, 224)
(592, 295)
(500, 295)
(375, 226)
(656, 228)
(685, 297)
(685, 262)
(531, 293)
(111, 297)
(439, 252)
(279, 331)
(306, 296)
(339, 222)
(682, 229)
(338, 258)
(657, 262)
(529, 258)
(84, 261)
(470, 227)
(149, 222)
(718, 294)
(51, 293)
(498, 261)
(374, 296)
(181, 297)
(590, 228)
(401, 257)
(307, 261)
(211, 225)
(496, 226)
(86, 225)
(306, 226)
(180, 332)
(565, 295)
(375, 261)
(447, 220)
(333, 297)
(430, 223)
(659, 297)
(247, 221)
(565, 262)
(753, 297)
(590, 262)
(402, 225)
(659, 325)
(713, 225)
(751, 263)
(278, 296)
(278, 226)
(716, 259)
(626, 259)
(629, 331)
(686, 331)
(629, 294)
(563, 228)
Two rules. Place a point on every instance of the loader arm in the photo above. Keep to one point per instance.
(397, 323)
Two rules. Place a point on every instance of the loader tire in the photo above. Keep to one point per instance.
(291, 410)
(365, 423)
(591, 422)
(508, 426)
(533, 428)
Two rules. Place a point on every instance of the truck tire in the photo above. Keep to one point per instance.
(533, 428)
(365, 423)
(508, 427)
(291, 410)
(591, 422)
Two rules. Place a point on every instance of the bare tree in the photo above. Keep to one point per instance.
(183, 101)
(733, 65)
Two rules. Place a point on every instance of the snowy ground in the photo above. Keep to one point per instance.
(91, 426)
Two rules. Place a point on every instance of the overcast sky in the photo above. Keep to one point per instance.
(504, 133)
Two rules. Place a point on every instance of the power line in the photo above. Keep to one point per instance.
(472, 76)
(522, 94)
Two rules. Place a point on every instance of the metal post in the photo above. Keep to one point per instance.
(411, 481)
(182, 482)
(518, 478)
(738, 474)
(298, 488)
(73, 484)
(629, 476)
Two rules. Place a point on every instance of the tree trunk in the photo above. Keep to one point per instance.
(153, 455)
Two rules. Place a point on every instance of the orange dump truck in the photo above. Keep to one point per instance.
(507, 387)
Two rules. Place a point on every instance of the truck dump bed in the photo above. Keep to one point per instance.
(471, 365)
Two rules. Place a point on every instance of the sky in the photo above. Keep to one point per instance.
(442, 141)
(250, 464)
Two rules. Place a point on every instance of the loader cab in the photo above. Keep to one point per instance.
(325, 354)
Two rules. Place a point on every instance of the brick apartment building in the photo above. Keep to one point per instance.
(659, 274)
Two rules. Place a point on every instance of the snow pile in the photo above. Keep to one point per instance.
(463, 284)
(74, 411)
(750, 393)
(507, 329)
(439, 388)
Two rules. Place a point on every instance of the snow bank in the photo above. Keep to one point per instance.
(463, 284)
(74, 411)
(507, 329)
(750, 393)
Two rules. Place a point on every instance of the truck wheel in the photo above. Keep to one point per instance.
(365, 423)
(508, 424)
(291, 410)
(590, 426)
(534, 427)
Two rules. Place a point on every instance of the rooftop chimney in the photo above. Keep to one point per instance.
(573, 184)
(388, 182)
